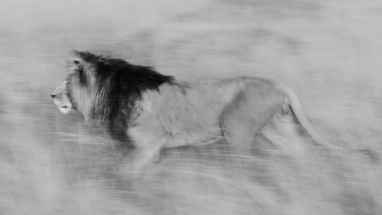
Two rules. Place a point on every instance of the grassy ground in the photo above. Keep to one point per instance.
(327, 51)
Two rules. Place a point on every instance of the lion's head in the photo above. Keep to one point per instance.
(78, 90)
(105, 89)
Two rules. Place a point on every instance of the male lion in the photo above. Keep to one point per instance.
(149, 111)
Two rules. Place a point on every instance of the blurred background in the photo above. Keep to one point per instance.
(328, 51)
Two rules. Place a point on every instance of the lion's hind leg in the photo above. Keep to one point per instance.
(246, 116)
(284, 131)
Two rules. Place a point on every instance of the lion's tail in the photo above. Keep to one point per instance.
(295, 107)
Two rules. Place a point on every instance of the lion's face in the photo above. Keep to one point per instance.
(75, 92)
(61, 98)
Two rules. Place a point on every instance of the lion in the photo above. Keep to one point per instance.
(148, 111)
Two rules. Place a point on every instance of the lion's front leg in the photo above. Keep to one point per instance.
(146, 154)
(148, 141)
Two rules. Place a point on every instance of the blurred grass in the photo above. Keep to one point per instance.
(327, 51)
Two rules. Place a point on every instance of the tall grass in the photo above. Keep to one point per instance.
(327, 51)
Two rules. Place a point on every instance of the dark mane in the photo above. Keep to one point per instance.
(119, 85)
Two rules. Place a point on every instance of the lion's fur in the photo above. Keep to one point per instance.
(149, 111)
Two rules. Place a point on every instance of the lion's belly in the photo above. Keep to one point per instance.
(182, 139)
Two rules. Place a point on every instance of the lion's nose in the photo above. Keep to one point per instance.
(52, 95)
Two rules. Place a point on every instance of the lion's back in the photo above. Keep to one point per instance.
(210, 96)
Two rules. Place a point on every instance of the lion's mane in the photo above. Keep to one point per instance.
(118, 86)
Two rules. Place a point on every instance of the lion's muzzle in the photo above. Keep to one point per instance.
(61, 98)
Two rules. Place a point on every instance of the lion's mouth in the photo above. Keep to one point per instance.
(64, 109)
